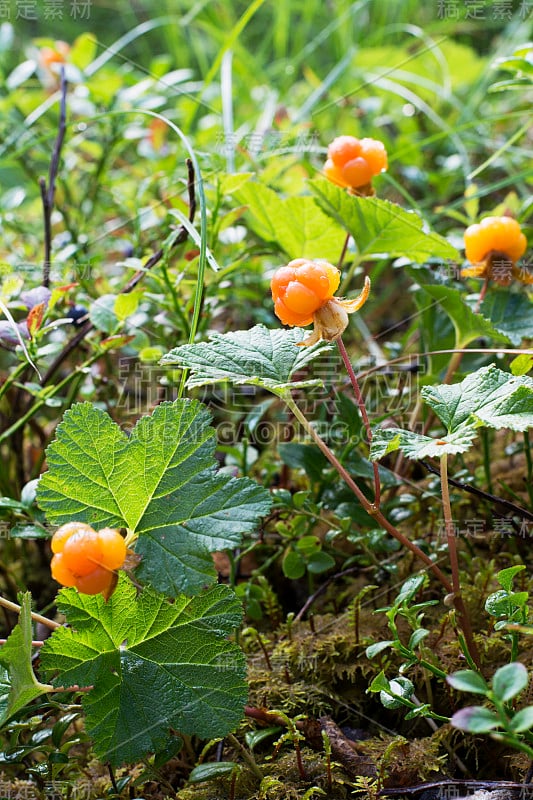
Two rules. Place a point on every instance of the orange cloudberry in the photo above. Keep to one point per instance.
(494, 246)
(303, 292)
(352, 163)
(87, 559)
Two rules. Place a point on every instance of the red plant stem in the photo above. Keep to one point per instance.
(364, 416)
(343, 252)
(454, 564)
(365, 502)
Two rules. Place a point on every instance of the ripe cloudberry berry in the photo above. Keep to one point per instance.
(113, 548)
(60, 572)
(100, 580)
(494, 246)
(87, 559)
(303, 293)
(352, 163)
(301, 287)
(65, 532)
(82, 552)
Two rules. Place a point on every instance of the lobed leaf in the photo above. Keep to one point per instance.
(418, 446)
(380, 228)
(20, 685)
(161, 483)
(258, 357)
(491, 396)
(295, 225)
(154, 665)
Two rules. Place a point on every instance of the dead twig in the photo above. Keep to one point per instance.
(48, 190)
(132, 283)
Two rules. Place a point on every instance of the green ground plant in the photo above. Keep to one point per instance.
(328, 543)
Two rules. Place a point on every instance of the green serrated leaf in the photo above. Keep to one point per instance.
(258, 357)
(468, 325)
(161, 483)
(154, 665)
(380, 228)
(418, 446)
(489, 395)
(15, 656)
(510, 313)
(467, 680)
(510, 680)
(295, 225)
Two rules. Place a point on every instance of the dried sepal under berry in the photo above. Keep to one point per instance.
(331, 320)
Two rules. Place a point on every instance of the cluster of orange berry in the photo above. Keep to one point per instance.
(87, 559)
(352, 163)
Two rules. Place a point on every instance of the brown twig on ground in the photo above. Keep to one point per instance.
(466, 487)
(48, 190)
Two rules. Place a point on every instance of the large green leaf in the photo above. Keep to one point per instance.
(15, 655)
(159, 482)
(415, 445)
(295, 225)
(154, 665)
(489, 395)
(468, 325)
(260, 357)
(380, 228)
(510, 313)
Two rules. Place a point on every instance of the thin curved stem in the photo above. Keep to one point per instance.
(464, 619)
(49, 623)
(364, 415)
(365, 502)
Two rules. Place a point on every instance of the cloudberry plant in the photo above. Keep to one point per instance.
(494, 246)
(352, 163)
(87, 559)
(303, 293)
